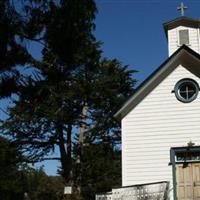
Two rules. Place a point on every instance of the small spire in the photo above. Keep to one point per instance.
(182, 8)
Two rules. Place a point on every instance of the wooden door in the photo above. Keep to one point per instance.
(184, 182)
(196, 180)
(188, 181)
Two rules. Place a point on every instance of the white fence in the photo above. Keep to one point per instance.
(105, 196)
(152, 191)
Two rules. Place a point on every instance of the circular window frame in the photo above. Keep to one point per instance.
(183, 82)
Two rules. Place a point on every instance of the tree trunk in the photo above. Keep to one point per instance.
(65, 154)
(83, 127)
(69, 149)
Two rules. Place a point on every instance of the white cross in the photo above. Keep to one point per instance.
(182, 8)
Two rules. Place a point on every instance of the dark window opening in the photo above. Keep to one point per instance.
(187, 156)
(183, 37)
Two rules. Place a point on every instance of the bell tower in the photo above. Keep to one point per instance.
(182, 31)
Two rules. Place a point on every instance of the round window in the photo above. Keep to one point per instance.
(186, 90)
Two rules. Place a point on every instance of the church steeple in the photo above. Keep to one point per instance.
(183, 30)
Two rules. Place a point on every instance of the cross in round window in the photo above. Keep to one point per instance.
(186, 90)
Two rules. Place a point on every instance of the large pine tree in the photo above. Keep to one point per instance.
(69, 99)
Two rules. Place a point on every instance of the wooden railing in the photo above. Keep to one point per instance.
(152, 191)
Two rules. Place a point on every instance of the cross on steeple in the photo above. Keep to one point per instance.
(182, 8)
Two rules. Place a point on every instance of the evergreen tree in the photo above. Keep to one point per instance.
(19, 181)
(101, 169)
(11, 161)
(36, 185)
(69, 101)
(20, 23)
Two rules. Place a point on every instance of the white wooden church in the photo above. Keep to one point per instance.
(161, 121)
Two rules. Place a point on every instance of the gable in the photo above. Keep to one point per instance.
(162, 96)
(183, 56)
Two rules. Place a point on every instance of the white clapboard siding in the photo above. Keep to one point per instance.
(173, 39)
(156, 124)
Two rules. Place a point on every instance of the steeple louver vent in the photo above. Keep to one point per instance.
(183, 37)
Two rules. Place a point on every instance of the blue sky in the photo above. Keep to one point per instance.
(132, 32)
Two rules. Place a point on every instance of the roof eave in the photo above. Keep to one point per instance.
(182, 20)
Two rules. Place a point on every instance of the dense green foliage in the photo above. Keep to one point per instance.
(38, 186)
(68, 98)
(18, 179)
(101, 169)
(10, 161)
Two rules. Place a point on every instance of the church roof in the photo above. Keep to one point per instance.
(184, 55)
(181, 21)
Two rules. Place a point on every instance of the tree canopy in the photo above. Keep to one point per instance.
(18, 180)
(11, 160)
(68, 98)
